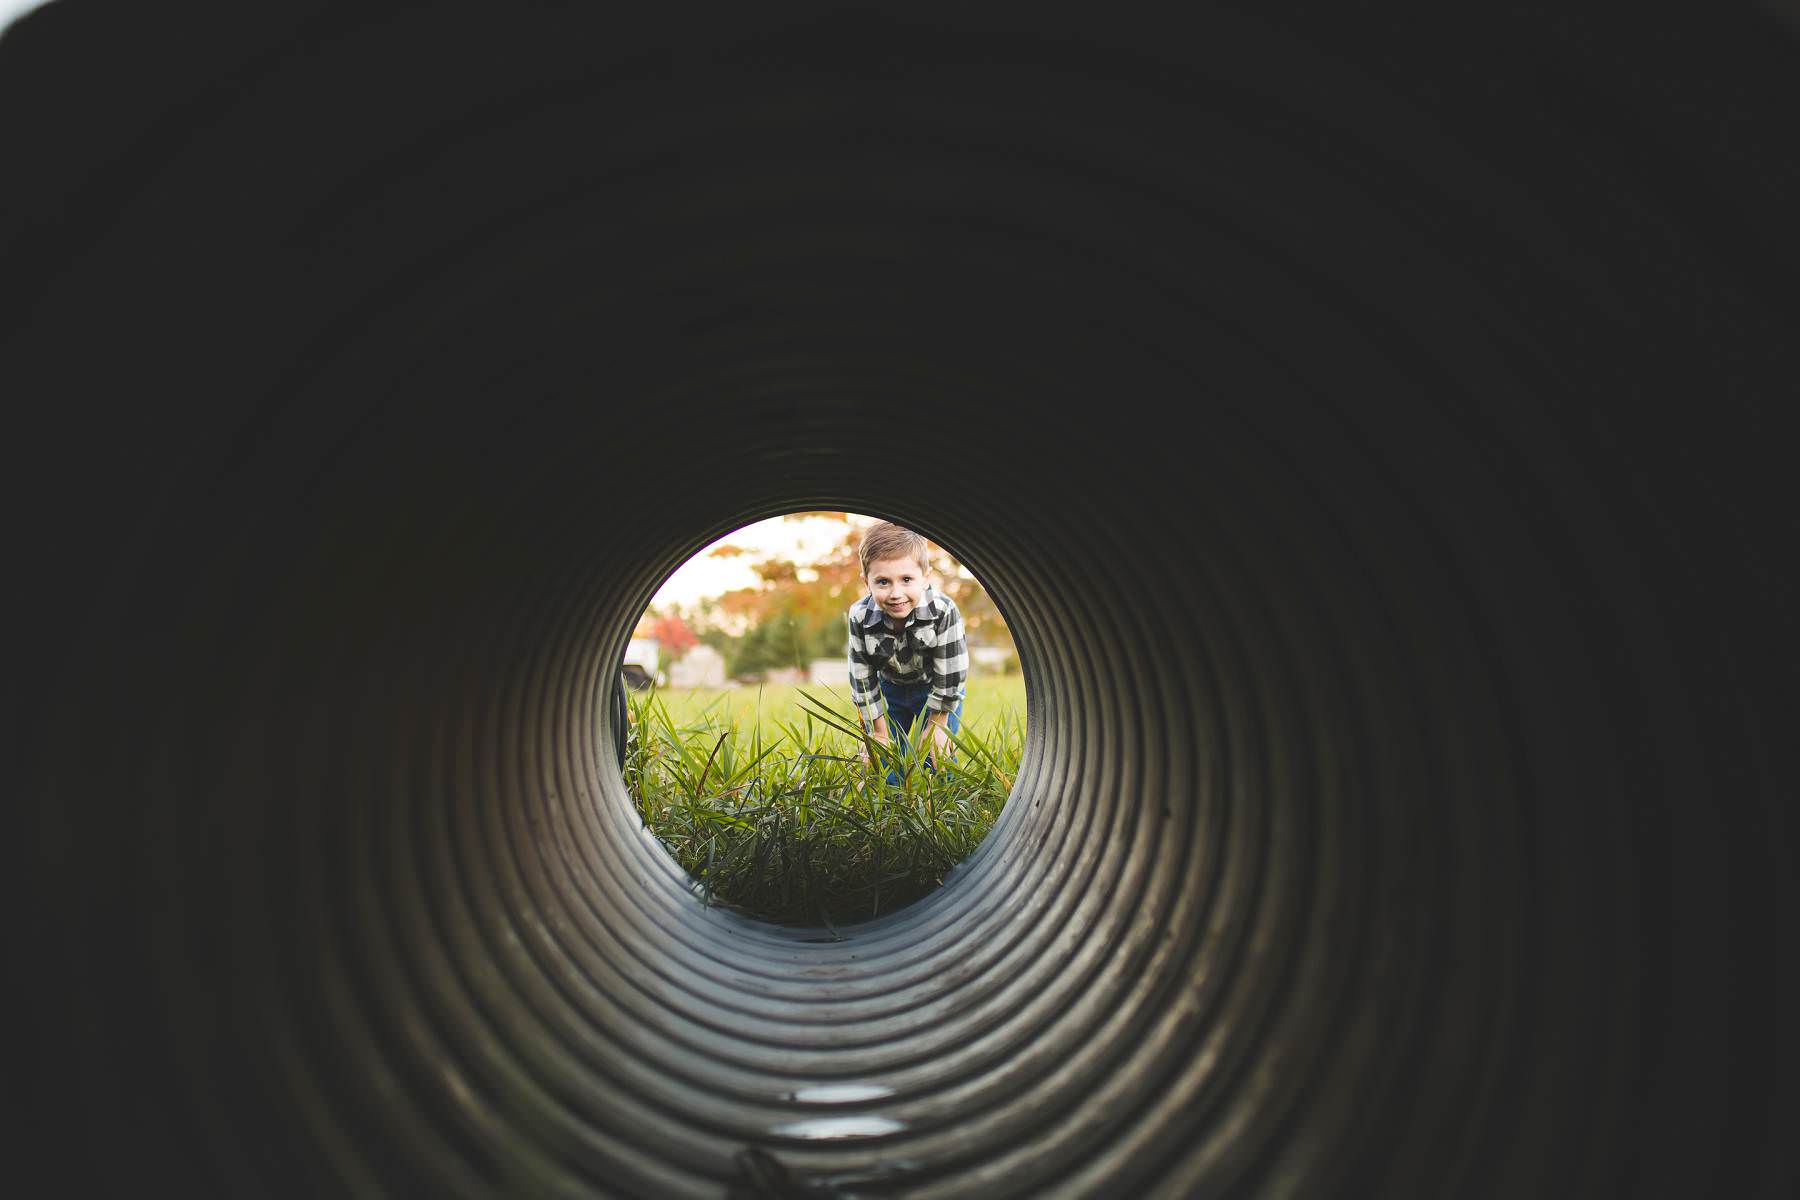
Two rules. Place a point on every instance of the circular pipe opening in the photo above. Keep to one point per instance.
(743, 738)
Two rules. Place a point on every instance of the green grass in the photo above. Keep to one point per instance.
(762, 798)
(989, 697)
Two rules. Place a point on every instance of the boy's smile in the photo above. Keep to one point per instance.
(897, 585)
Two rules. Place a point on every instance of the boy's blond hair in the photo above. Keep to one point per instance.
(884, 539)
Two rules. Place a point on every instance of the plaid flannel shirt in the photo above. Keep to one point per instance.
(928, 648)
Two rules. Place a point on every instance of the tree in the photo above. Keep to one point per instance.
(672, 633)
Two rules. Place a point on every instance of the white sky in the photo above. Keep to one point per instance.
(778, 537)
(12, 8)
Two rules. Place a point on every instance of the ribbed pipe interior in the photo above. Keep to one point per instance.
(1396, 817)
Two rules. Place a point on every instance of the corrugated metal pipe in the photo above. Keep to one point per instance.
(1366, 428)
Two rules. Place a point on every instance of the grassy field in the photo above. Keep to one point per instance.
(989, 698)
(760, 794)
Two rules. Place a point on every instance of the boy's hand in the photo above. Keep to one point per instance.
(940, 741)
(862, 748)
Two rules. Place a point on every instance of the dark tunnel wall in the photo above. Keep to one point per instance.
(1367, 423)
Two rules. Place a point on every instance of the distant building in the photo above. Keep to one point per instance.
(784, 675)
(640, 667)
(829, 672)
(700, 667)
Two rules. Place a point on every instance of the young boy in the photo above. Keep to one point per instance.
(907, 653)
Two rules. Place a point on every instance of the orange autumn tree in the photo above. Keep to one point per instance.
(795, 613)
(672, 633)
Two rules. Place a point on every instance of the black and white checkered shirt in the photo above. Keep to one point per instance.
(929, 647)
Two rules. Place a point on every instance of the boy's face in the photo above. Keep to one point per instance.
(898, 586)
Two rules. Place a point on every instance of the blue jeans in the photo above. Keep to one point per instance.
(905, 703)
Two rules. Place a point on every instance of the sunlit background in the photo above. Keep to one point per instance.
(765, 604)
(12, 9)
(720, 568)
